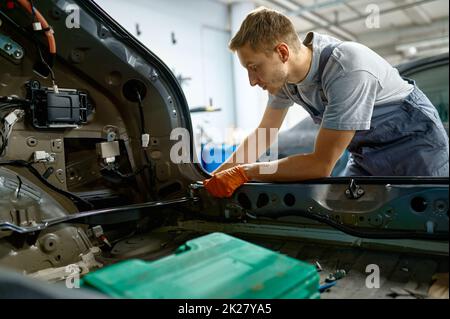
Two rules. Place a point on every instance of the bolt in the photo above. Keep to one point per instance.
(154, 76)
(7, 46)
(330, 278)
(17, 54)
(111, 136)
(360, 192)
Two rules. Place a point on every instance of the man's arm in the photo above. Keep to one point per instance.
(272, 118)
(329, 147)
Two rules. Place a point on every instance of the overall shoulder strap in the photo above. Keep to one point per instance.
(323, 60)
(324, 57)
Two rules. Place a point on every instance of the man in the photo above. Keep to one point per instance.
(388, 125)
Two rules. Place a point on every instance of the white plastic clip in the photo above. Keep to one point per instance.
(43, 157)
(11, 118)
(37, 26)
(145, 139)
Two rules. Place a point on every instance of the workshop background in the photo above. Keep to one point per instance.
(192, 38)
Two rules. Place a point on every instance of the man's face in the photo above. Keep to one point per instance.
(266, 71)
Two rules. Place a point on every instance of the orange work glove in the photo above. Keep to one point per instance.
(224, 183)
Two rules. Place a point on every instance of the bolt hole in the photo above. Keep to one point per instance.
(419, 204)
(262, 200)
(289, 200)
(244, 201)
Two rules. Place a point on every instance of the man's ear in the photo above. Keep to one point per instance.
(283, 51)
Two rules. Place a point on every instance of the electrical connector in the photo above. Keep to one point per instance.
(105, 240)
(98, 233)
(145, 140)
(6, 130)
(13, 117)
(43, 156)
(108, 151)
(55, 88)
(37, 26)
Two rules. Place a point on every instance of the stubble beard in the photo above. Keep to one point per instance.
(280, 79)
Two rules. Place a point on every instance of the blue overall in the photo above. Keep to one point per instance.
(406, 138)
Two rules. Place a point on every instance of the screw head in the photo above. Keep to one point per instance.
(18, 54)
(7, 46)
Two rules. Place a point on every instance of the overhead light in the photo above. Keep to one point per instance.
(425, 44)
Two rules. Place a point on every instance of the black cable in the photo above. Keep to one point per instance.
(33, 12)
(142, 120)
(19, 186)
(127, 176)
(8, 102)
(141, 111)
(4, 142)
(82, 204)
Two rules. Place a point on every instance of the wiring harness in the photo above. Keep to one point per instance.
(11, 111)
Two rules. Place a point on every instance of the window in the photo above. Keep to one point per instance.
(433, 81)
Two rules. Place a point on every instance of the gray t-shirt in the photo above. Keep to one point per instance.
(354, 81)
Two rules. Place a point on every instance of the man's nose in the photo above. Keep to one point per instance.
(252, 78)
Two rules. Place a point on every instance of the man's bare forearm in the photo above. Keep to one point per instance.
(244, 154)
(289, 169)
(232, 160)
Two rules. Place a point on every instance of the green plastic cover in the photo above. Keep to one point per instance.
(210, 267)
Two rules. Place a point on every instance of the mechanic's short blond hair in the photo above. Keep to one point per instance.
(264, 29)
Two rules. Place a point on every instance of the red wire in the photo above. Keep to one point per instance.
(49, 33)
